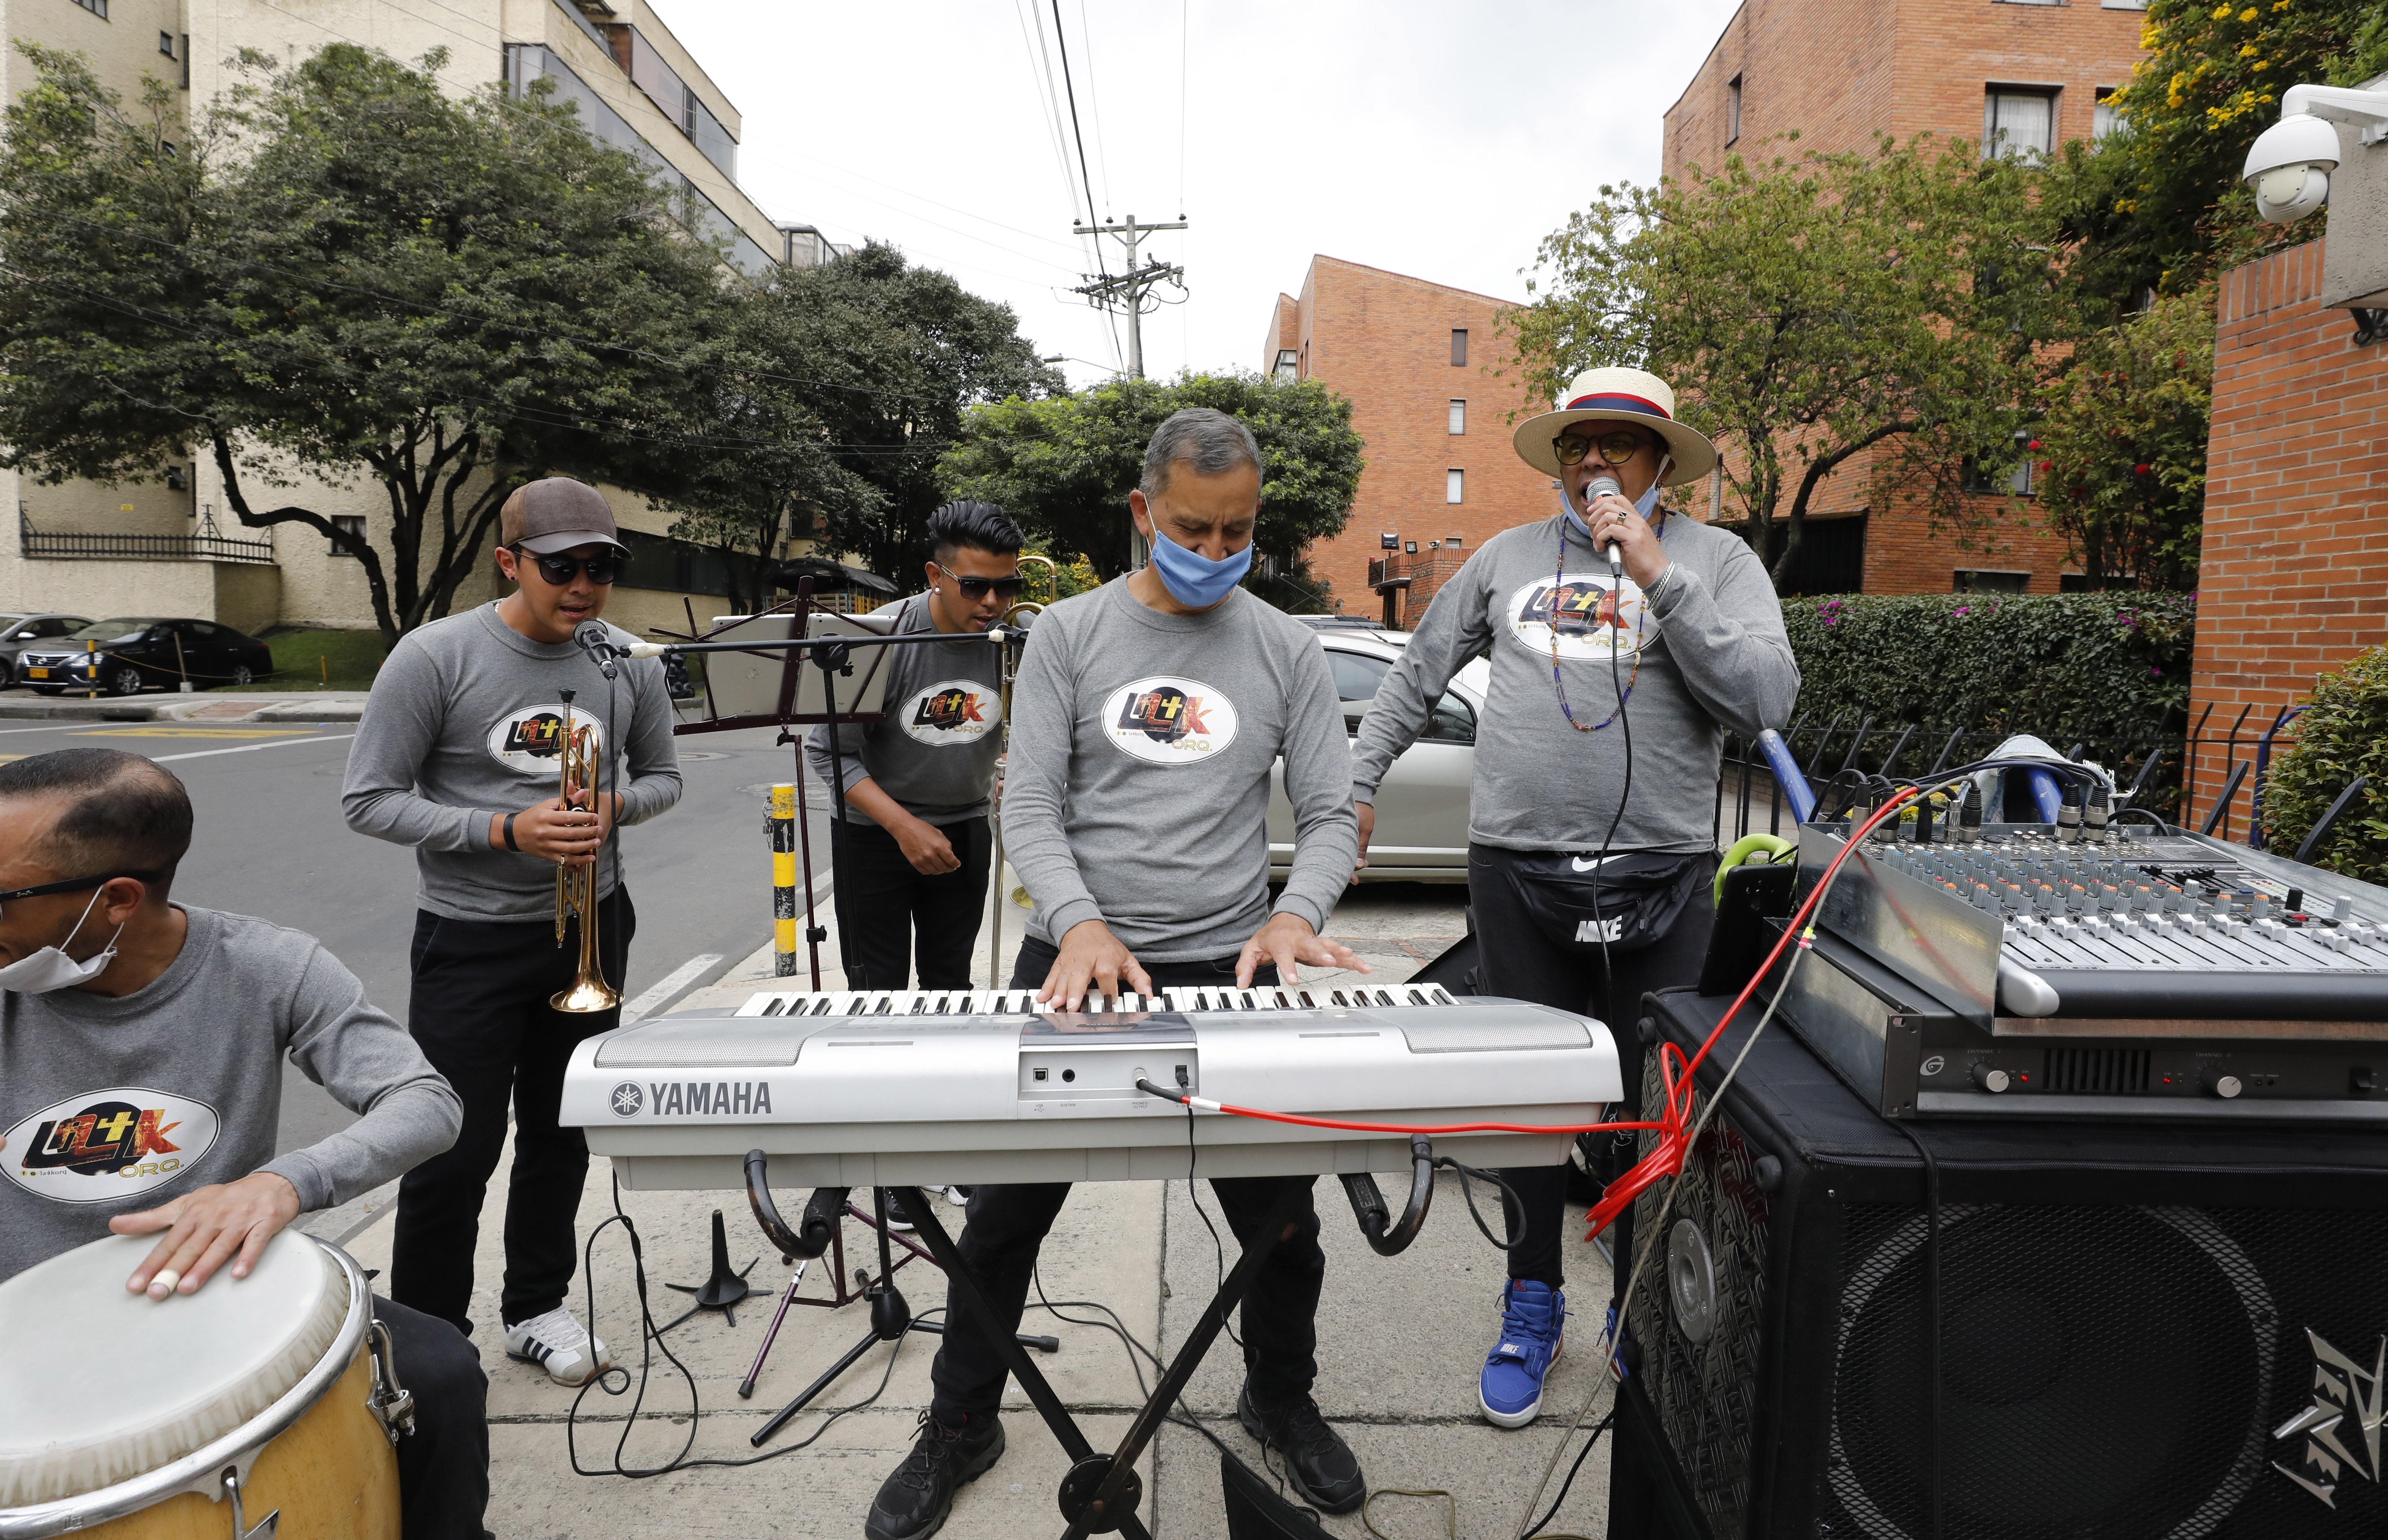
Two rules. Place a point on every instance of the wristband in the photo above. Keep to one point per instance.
(509, 834)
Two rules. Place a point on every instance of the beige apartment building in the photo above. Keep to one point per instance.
(175, 548)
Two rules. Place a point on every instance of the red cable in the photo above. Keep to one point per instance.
(1674, 1125)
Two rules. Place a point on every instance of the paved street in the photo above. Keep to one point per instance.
(269, 842)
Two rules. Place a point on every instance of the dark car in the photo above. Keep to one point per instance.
(18, 630)
(130, 654)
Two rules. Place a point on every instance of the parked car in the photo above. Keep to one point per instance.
(130, 654)
(1421, 833)
(17, 630)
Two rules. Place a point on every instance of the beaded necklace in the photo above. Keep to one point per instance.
(1641, 619)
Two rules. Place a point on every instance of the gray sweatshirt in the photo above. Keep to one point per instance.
(1713, 659)
(464, 722)
(935, 750)
(112, 1105)
(1137, 790)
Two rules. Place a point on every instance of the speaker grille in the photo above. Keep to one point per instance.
(2108, 1373)
(1705, 1390)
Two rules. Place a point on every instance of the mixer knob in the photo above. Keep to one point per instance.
(1995, 1081)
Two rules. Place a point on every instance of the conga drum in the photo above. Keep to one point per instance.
(199, 1416)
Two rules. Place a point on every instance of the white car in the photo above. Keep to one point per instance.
(1421, 833)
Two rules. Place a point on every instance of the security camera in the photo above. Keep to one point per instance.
(2289, 165)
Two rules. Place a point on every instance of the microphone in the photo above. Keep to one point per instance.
(591, 636)
(1601, 482)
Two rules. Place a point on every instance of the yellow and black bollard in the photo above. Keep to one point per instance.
(783, 881)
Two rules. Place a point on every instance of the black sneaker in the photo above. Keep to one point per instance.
(916, 1496)
(1319, 1463)
(896, 1217)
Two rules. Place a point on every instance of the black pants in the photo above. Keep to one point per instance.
(887, 912)
(1006, 1225)
(1517, 960)
(480, 1013)
(443, 1465)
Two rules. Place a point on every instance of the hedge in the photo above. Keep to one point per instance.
(2343, 734)
(2110, 668)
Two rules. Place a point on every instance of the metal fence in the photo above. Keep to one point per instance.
(141, 548)
(1825, 745)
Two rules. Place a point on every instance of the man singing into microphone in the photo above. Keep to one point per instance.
(1609, 616)
(1145, 720)
(457, 756)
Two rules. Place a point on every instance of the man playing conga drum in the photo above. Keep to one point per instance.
(141, 1087)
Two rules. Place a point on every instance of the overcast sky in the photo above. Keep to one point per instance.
(1434, 139)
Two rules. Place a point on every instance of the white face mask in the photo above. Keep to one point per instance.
(51, 968)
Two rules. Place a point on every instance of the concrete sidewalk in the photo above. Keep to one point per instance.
(1401, 1340)
(306, 705)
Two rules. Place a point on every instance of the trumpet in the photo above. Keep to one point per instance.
(579, 763)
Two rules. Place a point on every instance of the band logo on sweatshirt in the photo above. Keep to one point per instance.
(1593, 615)
(951, 714)
(1169, 721)
(527, 740)
(101, 1146)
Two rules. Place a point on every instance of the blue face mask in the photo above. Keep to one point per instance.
(1642, 505)
(1193, 579)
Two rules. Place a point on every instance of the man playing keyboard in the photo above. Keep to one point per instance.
(1145, 721)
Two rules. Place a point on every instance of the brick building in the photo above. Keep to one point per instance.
(2294, 574)
(2030, 73)
(1417, 361)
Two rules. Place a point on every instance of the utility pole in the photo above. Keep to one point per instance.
(1130, 291)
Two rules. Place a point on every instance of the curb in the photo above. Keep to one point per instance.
(341, 706)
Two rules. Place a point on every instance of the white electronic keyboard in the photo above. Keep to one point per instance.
(926, 1087)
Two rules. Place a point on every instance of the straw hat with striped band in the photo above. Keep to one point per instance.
(1625, 395)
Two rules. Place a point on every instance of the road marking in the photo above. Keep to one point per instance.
(63, 727)
(251, 748)
(668, 987)
(179, 730)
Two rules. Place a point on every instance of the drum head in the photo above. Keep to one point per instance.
(98, 1386)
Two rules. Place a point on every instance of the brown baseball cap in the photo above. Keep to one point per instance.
(544, 517)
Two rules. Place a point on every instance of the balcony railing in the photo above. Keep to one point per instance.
(88, 547)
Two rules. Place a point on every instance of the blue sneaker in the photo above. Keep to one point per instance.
(1533, 1321)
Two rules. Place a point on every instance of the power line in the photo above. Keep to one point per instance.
(1095, 109)
(1074, 131)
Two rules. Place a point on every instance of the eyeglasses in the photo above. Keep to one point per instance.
(561, 570)
(1615, 448)
(73, 885)
(979, 588)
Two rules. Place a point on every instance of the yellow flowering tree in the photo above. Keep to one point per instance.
(2210, 84)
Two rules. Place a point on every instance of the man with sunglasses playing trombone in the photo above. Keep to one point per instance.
(912, 855)
(457, 755)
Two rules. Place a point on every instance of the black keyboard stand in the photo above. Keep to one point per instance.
(1101, 1492)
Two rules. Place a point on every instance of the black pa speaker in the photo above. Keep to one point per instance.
(2144, 1332)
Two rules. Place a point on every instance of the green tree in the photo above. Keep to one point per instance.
(342, 273)
(2121, 448)
(1878, 313)
(2343, 734)
(1065, 465)
(2210, 82)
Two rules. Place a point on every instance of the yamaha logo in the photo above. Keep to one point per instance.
(627, 1099)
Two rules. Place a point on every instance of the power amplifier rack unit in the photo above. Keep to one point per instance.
(2141, 973)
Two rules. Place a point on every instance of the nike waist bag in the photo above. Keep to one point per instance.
(1626, 903)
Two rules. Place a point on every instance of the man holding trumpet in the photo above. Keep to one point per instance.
(458, 755)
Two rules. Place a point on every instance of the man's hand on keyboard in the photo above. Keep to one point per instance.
(1092, 955)
(1286, 940)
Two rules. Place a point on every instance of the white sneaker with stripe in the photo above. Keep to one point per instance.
(557, 1344)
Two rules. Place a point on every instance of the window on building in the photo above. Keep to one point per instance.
(2001, 478)
(2124, 5)
(347, 523)
(96, 7)
(2019, 122)
(1973, 580)
(1458, 416)
(166, 44)
(1452, 542)
(1732, 109)
(1455, 486)
(2034, 1)
(1458, 346)
(1289, 365)
(2103, 117)
(712, 139)
(186, 61)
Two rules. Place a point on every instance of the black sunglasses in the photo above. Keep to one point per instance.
(979, 588)
(560, 570)
(1616, 448)
(73, 885)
